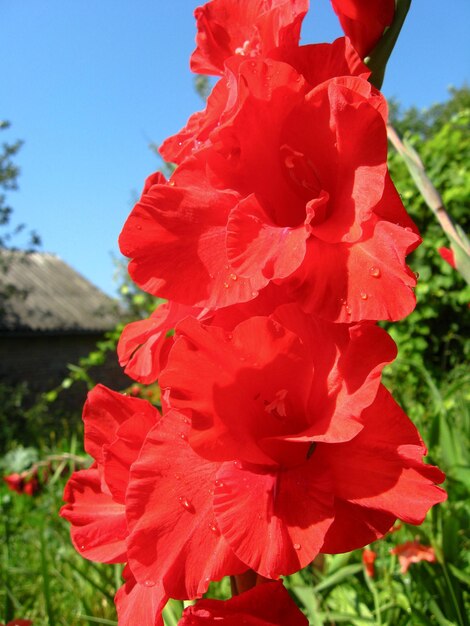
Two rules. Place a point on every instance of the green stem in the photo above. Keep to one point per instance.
(377, 60)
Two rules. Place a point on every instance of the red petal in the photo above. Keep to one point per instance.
(268, 604)
(364, 21)
(274, 521)
(173, 534)
(176, 238)
(382, 467)
(143, 345)
(104, 411)
(228, 27)
(140, 605)
(259, 249)
(99, 527)
(367, 280)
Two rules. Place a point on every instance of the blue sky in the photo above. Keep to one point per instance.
(88, 85)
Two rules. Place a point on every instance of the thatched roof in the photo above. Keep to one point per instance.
(39, 293)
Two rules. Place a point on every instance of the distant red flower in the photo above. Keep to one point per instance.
(364, 21)
(135, 390)
(448, 255)
(268, 604)
(413, 552)
(18, 622)
(368, 558)
(26, 482)
(248, 28)
(321, 218)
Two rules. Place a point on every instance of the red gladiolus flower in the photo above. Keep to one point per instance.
(364, 21)
(268, 604)
(321, 218)
(368, 558)
(288, 480)
(19, 622)
(413, 552)
(248, 28)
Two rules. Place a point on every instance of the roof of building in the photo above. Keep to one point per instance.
(39, 293)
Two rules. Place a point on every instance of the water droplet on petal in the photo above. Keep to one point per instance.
(82, 547)
(364, 296)
(347, 309)
(408, 229)
(186, 504)
(149, 583)
(177, 476)
(186, 420)
(297, 546)
(183, 436)
(138, 227)
(233, 276)
(375, 272)
(226, 285)
(213, 528)
(255, 294)
(219, 483)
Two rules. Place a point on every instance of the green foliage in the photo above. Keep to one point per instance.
(9, 173)
(436, 333)
(31, 421)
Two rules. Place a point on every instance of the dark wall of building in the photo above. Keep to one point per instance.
(41, 361)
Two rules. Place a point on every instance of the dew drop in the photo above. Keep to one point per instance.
(364, 296)
(375, 272)
(297, 546)
(149, 583)
(186, 504)
(233, 276)
(255, 294)
(172, 183)
(347, 309)
(213, 528)
(177, 476)
(82, 547)
(138, 227)
(219, 483)
(408, 229)
(183, 436)
(186, 420)
(226, 285)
